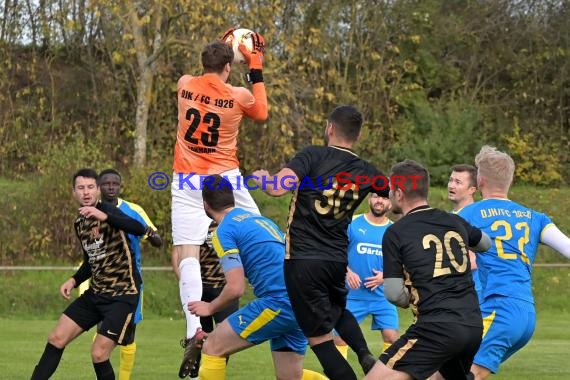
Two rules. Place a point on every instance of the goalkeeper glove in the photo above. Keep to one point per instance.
(254, 58)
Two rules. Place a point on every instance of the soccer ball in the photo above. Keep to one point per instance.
(242, 35)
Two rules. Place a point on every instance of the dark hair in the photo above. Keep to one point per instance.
(348, 120)
(215, 56)
(470, 169)
(412, 178)
(87, 173)
(217, 191)
(109, 171)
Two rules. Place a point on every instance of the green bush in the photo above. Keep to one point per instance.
(439, 135)
(537, 161)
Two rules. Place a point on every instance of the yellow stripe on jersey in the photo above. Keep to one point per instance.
(264, 318)
(545, 228)
(139, 210)
(487, 322)
(218, 246)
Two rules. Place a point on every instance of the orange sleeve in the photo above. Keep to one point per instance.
(258, 110)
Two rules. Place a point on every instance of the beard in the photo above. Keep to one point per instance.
(378, 214)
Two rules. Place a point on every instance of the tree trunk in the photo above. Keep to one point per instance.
(144, 93)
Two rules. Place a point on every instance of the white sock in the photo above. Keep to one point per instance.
(190, 290)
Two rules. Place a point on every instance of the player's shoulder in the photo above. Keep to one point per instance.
(357, 217)
(184, 79)
(241, 94)
(128, 204)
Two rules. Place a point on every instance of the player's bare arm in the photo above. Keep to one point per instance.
(278, 184)
(234, 289)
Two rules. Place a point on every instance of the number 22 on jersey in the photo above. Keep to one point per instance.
(507, 235)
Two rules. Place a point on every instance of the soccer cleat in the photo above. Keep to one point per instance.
(194, 369)
(192, 347)
(367, 362)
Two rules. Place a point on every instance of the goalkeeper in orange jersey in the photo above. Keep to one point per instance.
(209, 114)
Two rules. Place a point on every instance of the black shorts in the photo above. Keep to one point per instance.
(116, 316)
(428, 347)
(208, 295)
(317, 292)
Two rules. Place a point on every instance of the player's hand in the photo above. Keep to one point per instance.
(66, 288)
(200, 308)
(92, 212)
(373, 282)
(352, 279)
(258, 175)
(153, 237)
(254, 58)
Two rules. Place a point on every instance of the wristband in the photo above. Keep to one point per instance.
(254, 76)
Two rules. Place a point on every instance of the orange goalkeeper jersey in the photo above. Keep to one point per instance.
(209, 115)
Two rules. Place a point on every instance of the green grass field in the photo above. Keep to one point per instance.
(158, 352)
(27, 317)
(30, 306)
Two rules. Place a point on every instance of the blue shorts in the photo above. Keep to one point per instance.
(384, 314)
(508, 324)
(269, 319)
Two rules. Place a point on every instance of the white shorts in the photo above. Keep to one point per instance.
(189, 221)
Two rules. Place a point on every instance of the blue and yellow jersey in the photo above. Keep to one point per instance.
(255, 243)
(365, 254)
(515, 232)
(136, 212)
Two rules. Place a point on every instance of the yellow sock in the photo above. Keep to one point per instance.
(312, 375)
(212, 368)
(343, 351)
(127, 361)
(385, 346)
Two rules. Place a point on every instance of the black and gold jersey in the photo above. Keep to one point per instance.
(333, 181)
(211, 269)
(108, 259)
(428, 248)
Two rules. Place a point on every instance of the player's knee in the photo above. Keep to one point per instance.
(56, 339)
(212, 348)
(338, 341)
(99, 354)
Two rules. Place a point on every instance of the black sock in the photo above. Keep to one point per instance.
(334, 365)
(48, 362)
(104, 370)
(349, 330)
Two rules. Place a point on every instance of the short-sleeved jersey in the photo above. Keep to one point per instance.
(428, 249)
(365, 254)
(210, 267)
(209, 115)
(515, 231)
(325, 199)
(109, 254)
(256, 244)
